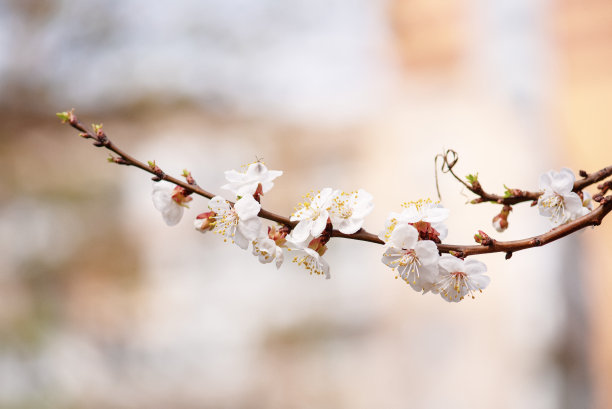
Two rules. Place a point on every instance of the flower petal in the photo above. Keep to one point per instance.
(475, 267)
(241, 240)
(279, 257)
(348, 226)
(441, 229)
(573, 204)
(256, 170)
(301, 231)
(321, 200)
(319, 224)
(161, 198)
(546, 181)
(450, 263)
(480, 281)
(249, 227)
(219, 205)
(173, 214)
(233, 176)
(427, 252)
(404, 236)
(563, 182)
(436, 214)
(247, 207)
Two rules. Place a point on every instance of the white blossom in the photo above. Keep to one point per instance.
(245, 183)
(311, 215)
(238, 223)
(170, 201)
(416, 260)
(267, 251)
(458, 278)
(414, 212)
(311, 261)
(558, 201)
(348, 210)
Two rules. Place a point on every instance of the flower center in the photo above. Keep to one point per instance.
(225, 223)
(457, 284)
(309, 263)
(411, 262)
(556, 205)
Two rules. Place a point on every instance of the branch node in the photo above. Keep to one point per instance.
(508, 255)
(483, 238)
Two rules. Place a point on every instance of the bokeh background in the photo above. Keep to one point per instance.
(103, 306)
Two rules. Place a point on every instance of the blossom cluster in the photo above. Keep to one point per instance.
(410, 249)
(558, 200)
(410, 237)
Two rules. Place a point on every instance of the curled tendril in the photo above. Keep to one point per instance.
(449, 160)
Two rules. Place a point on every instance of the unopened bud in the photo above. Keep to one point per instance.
(187, 175)
(98, 130)
(500, 221)
(64, 116)
(483, 238)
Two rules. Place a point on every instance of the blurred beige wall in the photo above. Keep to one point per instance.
(583, 114)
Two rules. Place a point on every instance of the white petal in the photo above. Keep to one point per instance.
(173, 214)
(546, 181)
(301, 231)
(563, 182)
(474, 267)
(273, 174)
(404, 236)
(410, 215)
(161, 198)
(572, 203)
(480, 281)
(321, 200)
(348, 226)
(247, 207)
(436, 215)
(319, 224)
(441, 229)
(279, 257)
(265, 186)
(233, 176)
(450, 263)
(240, 240)
(325, 268)
(391, 255)
(219, 205)
(249, 227)
(256, 170)
(427, 252)
(247, 189)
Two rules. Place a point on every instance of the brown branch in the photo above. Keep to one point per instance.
(594, 218)
(488, 245)
(450, 159)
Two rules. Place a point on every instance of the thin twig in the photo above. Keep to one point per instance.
(594, 218)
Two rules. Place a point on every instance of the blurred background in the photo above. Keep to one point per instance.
(103, 306)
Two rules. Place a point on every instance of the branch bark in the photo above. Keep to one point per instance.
(594, 218)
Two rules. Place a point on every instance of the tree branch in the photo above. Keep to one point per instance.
(513, 196)
(594, 218)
